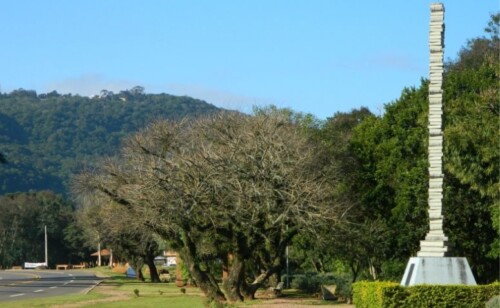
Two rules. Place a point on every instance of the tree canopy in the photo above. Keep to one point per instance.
(228, 185)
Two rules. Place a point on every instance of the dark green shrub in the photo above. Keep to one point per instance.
(311, 283)
(392, 270)
(308, 283)
(391, 294)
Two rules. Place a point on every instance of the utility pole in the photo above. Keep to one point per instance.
(46, 249)
(287, 270)
(99, 253)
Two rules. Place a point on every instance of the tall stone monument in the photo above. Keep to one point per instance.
(433, 264)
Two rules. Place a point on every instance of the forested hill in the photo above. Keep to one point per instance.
(47, 137)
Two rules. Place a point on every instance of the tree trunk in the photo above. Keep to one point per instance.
(205, 282)
(249, 290)
(153, 272)
(136, 263)
(354, 271)
(232, 282)
(139, 274)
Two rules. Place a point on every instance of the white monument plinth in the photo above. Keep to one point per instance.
(438, 270)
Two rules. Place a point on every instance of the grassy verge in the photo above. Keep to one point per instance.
(147, 294)
(157, 301)
(54, 301)
(119, 291)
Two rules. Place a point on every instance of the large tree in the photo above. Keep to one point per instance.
(228, 185)
(472, 159)
(104, 224)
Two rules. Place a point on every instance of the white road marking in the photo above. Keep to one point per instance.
(53, 287)
(16, 295)
(38, 291)
(70, 274)
(65, 283)
(71, 281)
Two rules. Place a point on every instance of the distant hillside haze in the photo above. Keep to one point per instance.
(45, 138)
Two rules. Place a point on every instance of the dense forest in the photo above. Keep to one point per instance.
(47, 137)
(345, 197)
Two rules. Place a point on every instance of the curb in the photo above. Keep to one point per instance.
(86, 291)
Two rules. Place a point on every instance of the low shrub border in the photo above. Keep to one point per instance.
(367, 294)
(391, 294)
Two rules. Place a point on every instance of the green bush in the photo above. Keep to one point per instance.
(311, 283)
(391, 294)
(367, 294)
(308, 283)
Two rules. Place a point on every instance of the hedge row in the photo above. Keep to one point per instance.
(391, 294)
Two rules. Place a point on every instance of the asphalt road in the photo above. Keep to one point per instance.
(30, 284)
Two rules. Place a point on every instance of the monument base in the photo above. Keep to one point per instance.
(437, 270)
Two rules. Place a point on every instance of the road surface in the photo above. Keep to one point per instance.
(30, 284)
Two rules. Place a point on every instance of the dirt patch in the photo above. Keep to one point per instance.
(113, 296)
(269, 300)
(297, 303)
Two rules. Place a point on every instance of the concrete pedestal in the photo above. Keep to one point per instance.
(438, 270)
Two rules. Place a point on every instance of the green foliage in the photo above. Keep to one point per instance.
(311, 283)
(391, 294)
(47, 137)
(308, 283)
(472, 159)
(391, 187)
(393, 270)
(392, 158)
(371, 294)
(24, 216)
(185, 275)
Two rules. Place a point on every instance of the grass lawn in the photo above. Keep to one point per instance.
(177, 301)
(54, 301)
(149, 294)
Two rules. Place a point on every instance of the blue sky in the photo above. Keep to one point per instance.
(312, 56)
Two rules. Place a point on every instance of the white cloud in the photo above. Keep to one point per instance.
(219, 98)
(391, 60)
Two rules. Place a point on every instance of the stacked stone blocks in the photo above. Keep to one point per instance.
(435, 243)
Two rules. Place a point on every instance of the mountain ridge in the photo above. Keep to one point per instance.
(47, 137)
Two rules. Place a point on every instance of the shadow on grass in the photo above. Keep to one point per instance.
(123, 280)
(294, 293)
(293, 297)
